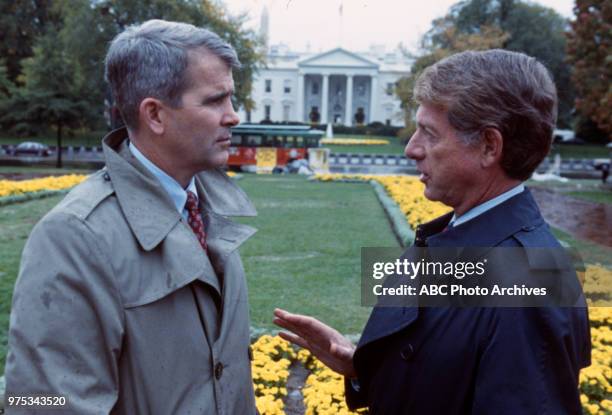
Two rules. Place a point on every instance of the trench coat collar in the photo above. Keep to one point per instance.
(147, 207)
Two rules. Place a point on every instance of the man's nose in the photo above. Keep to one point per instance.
(413, 149)
(230, 118)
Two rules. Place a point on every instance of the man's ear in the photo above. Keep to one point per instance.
(150, 114)
(492, 145)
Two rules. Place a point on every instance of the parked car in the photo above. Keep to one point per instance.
(32, 148)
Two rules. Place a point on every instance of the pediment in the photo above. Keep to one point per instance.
(338, 58)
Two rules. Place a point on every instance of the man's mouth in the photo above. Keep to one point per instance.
(422, 176)
(224, 140)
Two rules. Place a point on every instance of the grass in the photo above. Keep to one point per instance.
(580, 151)
(590, 190)
(591, 253)
(603, 196)
(305, 257)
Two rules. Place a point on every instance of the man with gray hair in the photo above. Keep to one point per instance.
(131, 297)
(484, 123)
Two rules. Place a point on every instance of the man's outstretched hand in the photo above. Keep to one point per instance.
(326, 343)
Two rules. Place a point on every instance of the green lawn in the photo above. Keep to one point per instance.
(591, 253)
(601, 196)
(305, 257)
(580, 151)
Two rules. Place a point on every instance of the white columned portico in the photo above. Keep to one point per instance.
(373, 98)
(348, 117)
(300, 97)
(325, 97)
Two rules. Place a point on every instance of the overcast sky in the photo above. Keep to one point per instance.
(318, 23)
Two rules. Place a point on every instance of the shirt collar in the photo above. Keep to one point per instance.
(483, 207)
(174, 189)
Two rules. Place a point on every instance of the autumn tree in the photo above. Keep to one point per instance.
(508, 24)
(489, 37)
(590, 50)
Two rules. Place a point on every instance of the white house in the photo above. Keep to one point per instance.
(336, 86)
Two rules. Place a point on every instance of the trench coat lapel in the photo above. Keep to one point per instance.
(153, 218)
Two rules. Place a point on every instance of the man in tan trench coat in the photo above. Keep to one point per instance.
(131, 298)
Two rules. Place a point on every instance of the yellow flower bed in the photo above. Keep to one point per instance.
(595, 380)
(19, 187)
(324, 389)
(272, 357)
(353, 141)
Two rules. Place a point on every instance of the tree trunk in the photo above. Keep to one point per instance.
(59, 146)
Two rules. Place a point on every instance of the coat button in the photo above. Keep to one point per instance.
(106, 177)
(218, 370)
(407, 353)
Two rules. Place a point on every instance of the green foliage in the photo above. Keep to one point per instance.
(62, 57)
(590, 50)
(21, 22)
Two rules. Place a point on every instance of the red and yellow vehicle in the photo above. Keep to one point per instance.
(269, 146)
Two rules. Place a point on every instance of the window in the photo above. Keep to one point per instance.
(286, 112)
(390, 87)
(315, 88)
(287, 86)
(268, 85)
(267, 110)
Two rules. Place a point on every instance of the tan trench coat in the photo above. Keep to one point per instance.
(105, 309)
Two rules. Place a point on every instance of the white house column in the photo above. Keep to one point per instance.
(349, 101)
(324, 99)
(300, 98)
(373, 98)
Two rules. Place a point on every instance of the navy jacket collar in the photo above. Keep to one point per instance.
(488, 229)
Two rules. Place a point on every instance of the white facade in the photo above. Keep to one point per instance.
(337, 85)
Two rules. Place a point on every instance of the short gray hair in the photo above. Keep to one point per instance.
(151, 59)
(509, 91)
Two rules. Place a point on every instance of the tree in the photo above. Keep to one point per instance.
(98, 23)
(21, 22)
(508, 24)
(49, 96)
(66, 53)
(590, 50)
(489, 37)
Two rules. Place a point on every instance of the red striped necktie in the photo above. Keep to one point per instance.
(195, 219)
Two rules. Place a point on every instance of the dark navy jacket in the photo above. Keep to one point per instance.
(475, 360)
